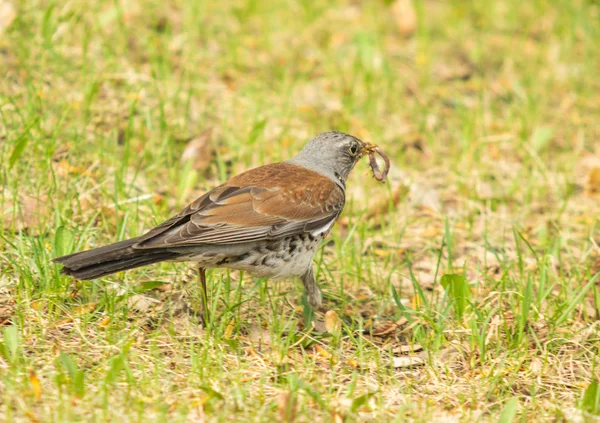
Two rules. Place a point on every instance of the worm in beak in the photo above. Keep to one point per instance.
(371, 150)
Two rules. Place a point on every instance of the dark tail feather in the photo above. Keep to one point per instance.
(112, 258)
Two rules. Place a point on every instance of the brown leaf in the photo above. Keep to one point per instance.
(332, 322)
(36, 386)
(83, 309)
(7, 308)
(536, 366)
(198, 151)
(353, 363)
(592, 183)
(407, 362)
(77, 312)
(288, 406)
(319, 326)
(405, 17)
(141, 303)
(5, 319)
(388, 328)
(323, 352)
(408, 348)
(452, 70)
(587, 174)
(229, 328)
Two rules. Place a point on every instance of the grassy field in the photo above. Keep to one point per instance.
(466, 289)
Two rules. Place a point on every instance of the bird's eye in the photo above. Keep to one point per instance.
(354, 149)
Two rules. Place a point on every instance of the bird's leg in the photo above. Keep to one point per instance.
(313, 292)
(204, 300)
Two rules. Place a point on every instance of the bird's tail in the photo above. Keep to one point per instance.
(111, 258)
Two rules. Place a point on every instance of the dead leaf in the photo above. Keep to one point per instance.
(407, 362)
(408, 348)
(319, 326)
(39, 305)
(405, 17)
(229, 328)
(141, 303)
(354, 363)
(8, 14)
(34, 418)
(592, 183)
(332, 322)
(587, 174)
(7, 308)
(536, 366)
(416, 302)
(198, 151)
(5, 317)
(388, 328)
(541, 326)
(492, 332)
(323, 352)
(288, 406)
(77, 312)
(36, 386)
(83, 309)
(452, 70)
(337, 417)
(64, 168)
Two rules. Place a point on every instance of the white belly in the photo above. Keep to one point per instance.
(283, 259)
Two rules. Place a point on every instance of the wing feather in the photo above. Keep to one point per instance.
(258, 204)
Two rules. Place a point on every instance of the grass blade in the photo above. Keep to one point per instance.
(576, 300)
(21, 143)
(458, 291)
(591, 399)
(509, 411)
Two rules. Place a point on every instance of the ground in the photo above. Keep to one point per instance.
(465, 289)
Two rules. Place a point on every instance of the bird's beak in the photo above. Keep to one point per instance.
(367, 149)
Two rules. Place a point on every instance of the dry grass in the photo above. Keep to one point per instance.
(489, 111)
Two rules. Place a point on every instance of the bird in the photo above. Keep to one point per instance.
(267, 221)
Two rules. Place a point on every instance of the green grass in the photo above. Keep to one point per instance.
(484, 247)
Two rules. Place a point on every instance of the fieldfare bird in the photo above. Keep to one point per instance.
(267, 221)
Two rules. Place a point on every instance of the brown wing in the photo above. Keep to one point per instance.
(259, 204)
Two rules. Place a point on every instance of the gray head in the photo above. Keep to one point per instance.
(332, 154)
